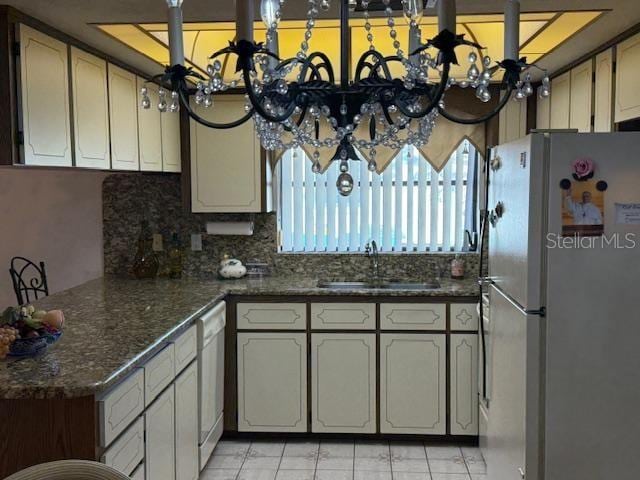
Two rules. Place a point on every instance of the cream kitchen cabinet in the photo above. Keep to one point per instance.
(413, 316)
(343, 316)
(627, 101)
(272, 316)
(543, 112)
(160, 446)
(603, 98)
(272, 382)
(44, 93)
(413, 372)
(513, 121)
(171, 142)
(149, 131)
(343, 376)
(226, 165)
(560, 102)
(464, 316)
(464, 384)
(127, 451)
(123, 111)
(186, 418)
(580, 102)
(90, 110)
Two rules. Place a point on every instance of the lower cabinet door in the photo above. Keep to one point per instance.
(187, 466)
(413, 384)
(343, 373)
(272, 382)
(160, 437)
(464, 384)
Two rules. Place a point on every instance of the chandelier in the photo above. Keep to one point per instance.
(299, 101)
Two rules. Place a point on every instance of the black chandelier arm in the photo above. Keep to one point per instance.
(326, 63)
(184, 100)
(381, 63)
(433, 101)
(484, 118)
(446, 42)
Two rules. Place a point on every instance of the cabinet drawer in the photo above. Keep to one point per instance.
(343, 316)
(464, 316)
(158, 373)
(413, 316)
(139, 473)
(128, 451)
(186, 347)
(272, 316)
(119, 407)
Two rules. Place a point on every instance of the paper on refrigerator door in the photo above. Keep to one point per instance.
(628, 213)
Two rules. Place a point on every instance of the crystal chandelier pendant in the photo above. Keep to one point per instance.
(345, 184)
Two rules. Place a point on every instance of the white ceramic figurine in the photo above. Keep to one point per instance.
(231, 268)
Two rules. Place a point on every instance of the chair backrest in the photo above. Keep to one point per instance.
(69, 470)
(29, 280)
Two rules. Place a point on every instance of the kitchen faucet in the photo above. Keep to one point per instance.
(371, 251)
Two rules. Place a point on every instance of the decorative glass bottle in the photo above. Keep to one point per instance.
(145, 264)
(175, 258)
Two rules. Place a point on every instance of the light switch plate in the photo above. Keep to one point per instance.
(157, 242)
(196, 242)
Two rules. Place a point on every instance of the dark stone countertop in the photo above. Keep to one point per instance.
(114, 325)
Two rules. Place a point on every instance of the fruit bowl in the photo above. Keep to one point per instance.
(25, 331)
(27, 347)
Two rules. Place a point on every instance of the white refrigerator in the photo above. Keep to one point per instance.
(563, 399)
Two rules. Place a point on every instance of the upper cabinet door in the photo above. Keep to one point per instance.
(581, 97)
(123, 107)
(627, 104)
(513, 121)
(226, 165)
(171, 154)
(44, 84)
(604, 92)
(149, 132)
(90, 110)
(543, 112)
(560, 101)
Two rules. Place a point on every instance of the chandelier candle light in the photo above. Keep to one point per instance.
(299, 101)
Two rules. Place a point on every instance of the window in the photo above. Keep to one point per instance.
(409, 207)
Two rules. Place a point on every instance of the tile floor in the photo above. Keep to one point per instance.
(308, 460)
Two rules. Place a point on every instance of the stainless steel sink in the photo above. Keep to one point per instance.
(379, 286)
(411, 286)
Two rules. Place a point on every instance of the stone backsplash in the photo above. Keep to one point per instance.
(128, 199)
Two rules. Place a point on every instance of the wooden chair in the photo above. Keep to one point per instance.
(29, 280)
(69, 470)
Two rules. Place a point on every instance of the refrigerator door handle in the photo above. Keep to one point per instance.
(485, 281)
(541, 312)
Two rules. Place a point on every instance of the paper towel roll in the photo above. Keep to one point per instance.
(230, 228)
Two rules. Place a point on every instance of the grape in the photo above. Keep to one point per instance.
(8, 335)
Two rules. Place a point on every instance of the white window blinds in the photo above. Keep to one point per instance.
(410, 207)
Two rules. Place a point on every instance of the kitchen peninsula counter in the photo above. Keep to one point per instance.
(114, 324)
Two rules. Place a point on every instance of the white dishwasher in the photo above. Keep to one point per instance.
(210, 379)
